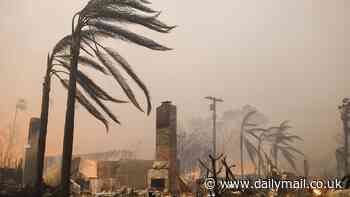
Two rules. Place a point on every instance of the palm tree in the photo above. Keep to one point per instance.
(261, 137)
(45, 101)
(251, 118)
(94, 92)
(280, 143)
(252, 151)
(264, 135)
(95, 21)
(281, 140)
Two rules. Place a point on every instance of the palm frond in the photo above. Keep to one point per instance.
(289, 157)
(99, 102)
(88, 43)
(293, 137)
(272, 135)
(62, 45)
(97, 34)
(284, 125)
(246, 118)
(83, 47)
(248, 124)
(291, 148)
(126, 66)
(145, 1)
(97, 90)
(66, 41)
(252, 134)
(138, 5)
(118, 14)
(126, 35)
(277, 131)
(90, 62)
(284, 142)
(82, 60)
(88, 83)
(119, 78)
(87, 105)
(257, 130)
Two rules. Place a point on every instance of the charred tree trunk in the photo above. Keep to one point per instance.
(70, 113)
(45, 102)
(228, 173)
(214, 172)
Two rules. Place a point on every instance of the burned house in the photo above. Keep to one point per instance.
(160, 174)
(106, 171)
(112, 175)
(112, 170)
(113, 155)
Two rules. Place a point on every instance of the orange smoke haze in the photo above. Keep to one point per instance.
(288, 58)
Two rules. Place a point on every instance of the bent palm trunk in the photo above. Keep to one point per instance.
(43, 130)
(69, 121)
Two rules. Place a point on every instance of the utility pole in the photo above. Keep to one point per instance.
(344, 111)
(213, 108)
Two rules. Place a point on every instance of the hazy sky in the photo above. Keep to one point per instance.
(287, 58)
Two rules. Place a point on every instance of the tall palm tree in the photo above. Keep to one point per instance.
(94, 92)
(251, 119)
(261, 139)
(95, 21)
(259, 150)
(252, 151)
(281, 142)
(264, 135)
(45, 101)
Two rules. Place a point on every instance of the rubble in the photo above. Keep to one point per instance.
(120, 174)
